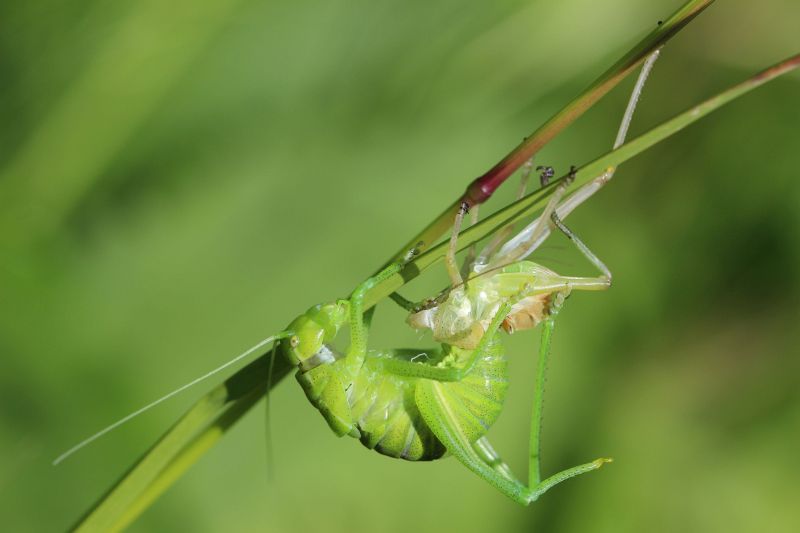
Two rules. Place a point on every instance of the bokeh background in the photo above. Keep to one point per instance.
(180, 179)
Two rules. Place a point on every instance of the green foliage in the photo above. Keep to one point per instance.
(241, 161)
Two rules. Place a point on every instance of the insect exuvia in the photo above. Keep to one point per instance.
(424, 405)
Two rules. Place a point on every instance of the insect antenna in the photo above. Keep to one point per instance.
(134, 414)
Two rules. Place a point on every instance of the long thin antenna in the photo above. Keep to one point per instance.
(166, 397)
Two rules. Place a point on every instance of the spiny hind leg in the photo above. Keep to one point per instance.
(431, 401)
(539, 486)
(478, 456)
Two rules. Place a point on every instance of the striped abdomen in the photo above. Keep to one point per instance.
(380, 409)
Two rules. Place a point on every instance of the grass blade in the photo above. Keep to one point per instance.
(482, 188)
(210, 418)
(531, 203)
(182, 445)
(122, 84)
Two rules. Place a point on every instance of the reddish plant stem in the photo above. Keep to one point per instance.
(482, 188)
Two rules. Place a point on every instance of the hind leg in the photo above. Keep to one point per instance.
(478, 456)
(534, 466)
(359, 325)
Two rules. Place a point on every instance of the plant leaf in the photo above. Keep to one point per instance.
(482, 188)
(527, 206)
(183, 444)
(216, 412)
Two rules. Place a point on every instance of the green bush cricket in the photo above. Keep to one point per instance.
(421, 409)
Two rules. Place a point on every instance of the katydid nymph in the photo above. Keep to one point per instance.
(424, 408)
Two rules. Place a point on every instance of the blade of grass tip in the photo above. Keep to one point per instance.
(182, 445)
(483, 187)
(187, 456)
(531, 203)
(625, 152)
(682, 120)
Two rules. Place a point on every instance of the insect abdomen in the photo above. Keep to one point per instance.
(385, 411)
(379, 408)
(386, 416)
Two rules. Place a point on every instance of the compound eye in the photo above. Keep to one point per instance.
(294, 341)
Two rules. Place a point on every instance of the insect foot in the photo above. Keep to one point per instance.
(546, 174)
(533, 494)
(412, 253)
(573, 171)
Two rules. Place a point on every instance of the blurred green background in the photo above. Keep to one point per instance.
(180, 179)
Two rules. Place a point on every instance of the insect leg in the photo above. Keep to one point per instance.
(433, 406)
(534, 464)
(588, 190)
(357, 350)
(469, 259)
(489, 456)
(560, 283)
(587, 253)
(403, 302)
(538, 486)
(450, 258)
(520, 245)
(501, 236)
(432, 403)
